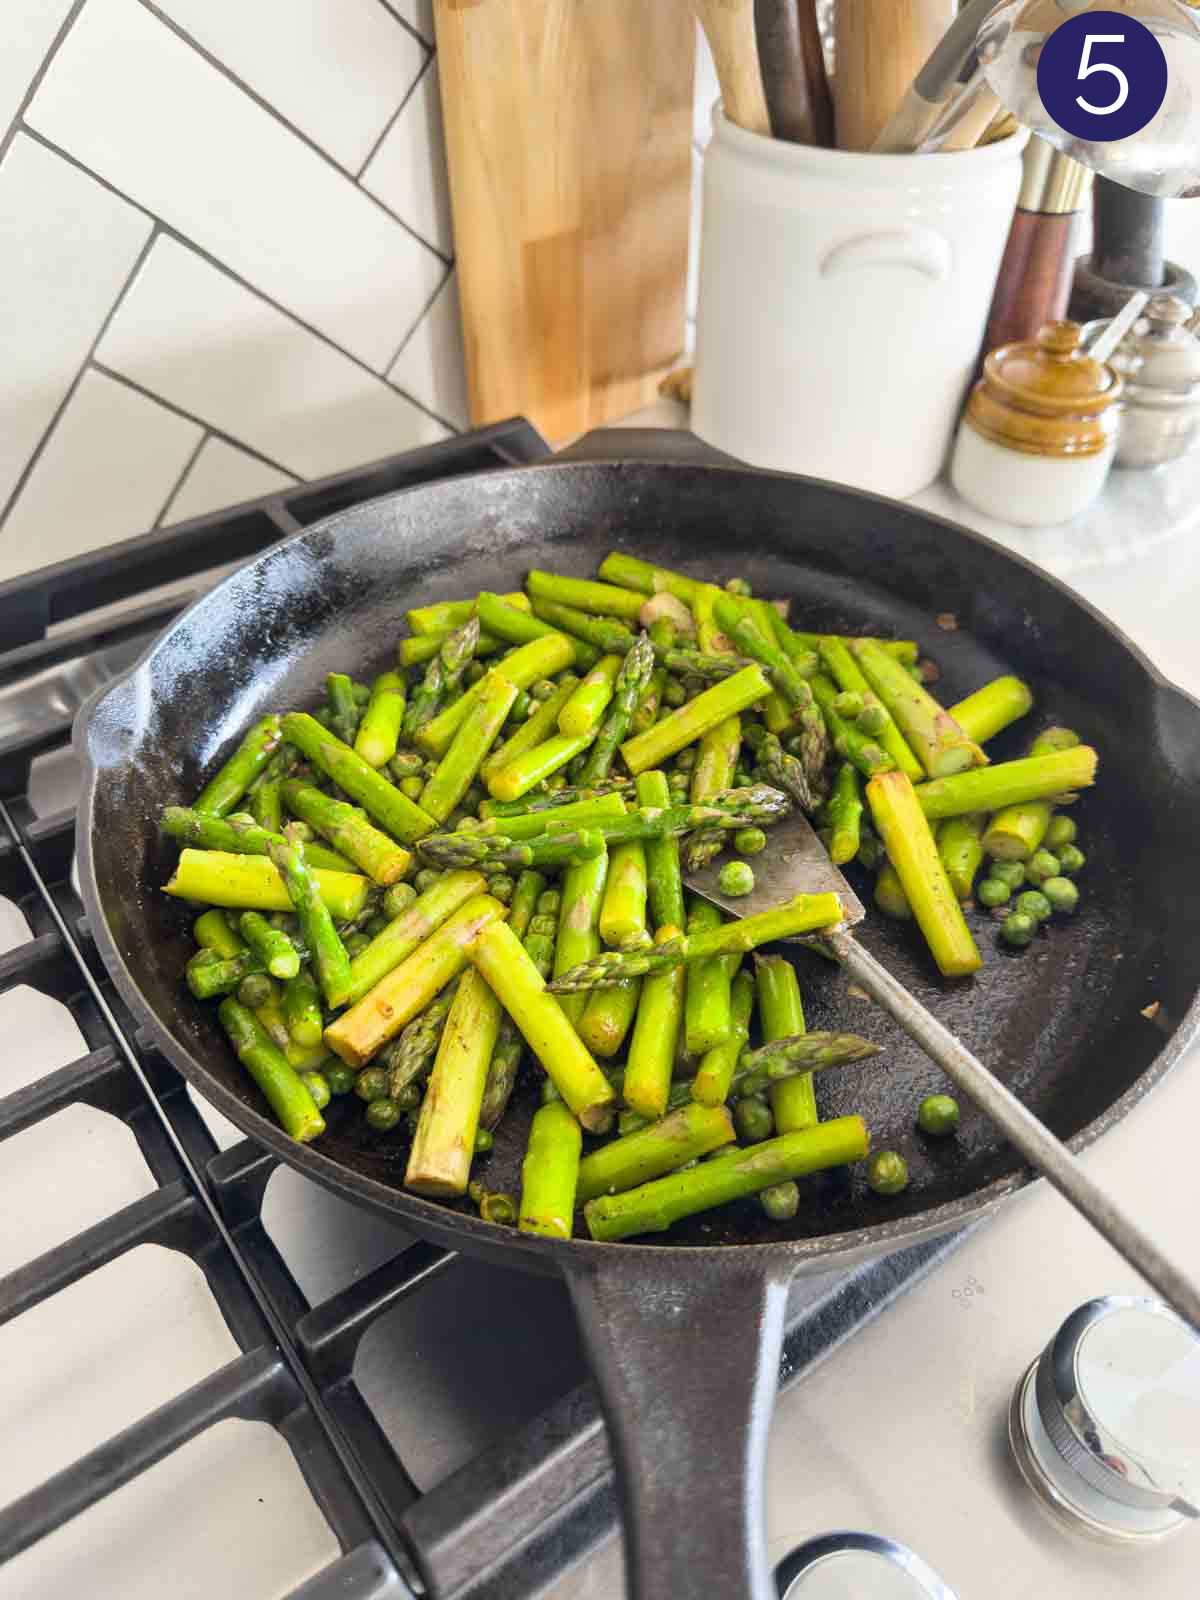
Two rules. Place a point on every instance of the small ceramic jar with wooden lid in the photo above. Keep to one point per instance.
(1038, 437)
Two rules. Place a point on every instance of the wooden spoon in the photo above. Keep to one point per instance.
(729, 28)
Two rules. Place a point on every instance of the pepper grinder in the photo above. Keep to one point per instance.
(1128, 253)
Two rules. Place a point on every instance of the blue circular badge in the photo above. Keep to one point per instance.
(1102, 76)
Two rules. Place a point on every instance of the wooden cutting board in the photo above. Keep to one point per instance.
(568, 131)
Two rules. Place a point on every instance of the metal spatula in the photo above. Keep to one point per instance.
(795, 862)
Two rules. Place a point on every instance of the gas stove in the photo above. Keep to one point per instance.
(221, 1379)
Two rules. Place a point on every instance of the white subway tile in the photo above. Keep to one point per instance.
(190, 333)
(136, 104)
(222, 475)
(336, 69)
(431, 366)
(408, 171)
(67, 246)
(417, 13)
(29, 27)
(105, 474)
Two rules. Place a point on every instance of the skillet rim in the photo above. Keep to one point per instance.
(430, 1219)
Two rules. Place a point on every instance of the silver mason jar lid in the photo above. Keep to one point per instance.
(857, 1566)
(1106, 1424)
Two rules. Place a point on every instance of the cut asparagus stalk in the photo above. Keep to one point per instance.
(653, 1207)
(1017, 830)
(253, 883)
(358, 1033)
(325, 948)
(541, 725)
(531, 767)
(843, 815)
(223, 791)
(788, 1064)
(663, 876)
(239, 835)
(988, 711)
(912, 851)
(849, 741)
(847, 674)
(583, 711)
(685, 1135)
(382, 801)
(623, 911)
(541, 658)
(1009, 783)
(714, 1077)
(411, 928)
(510, 972)
(604, 599)
(631, 681)
(707, 1014)
(683, 727)
(285, 1091)
(937, 741)
(651, 1057)
(583, 888)
(379, 731)
(630, 573)
(370, 849)
(575, 814)
(550, 1173)
(592, 636)
(439, 1163)
(781, 1010)
(443, 616)
(270, 944)
(960, 845)
(470, 745)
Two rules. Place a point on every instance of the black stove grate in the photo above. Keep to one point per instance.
(522, 1512)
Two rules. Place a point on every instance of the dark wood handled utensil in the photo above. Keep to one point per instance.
(791, 59)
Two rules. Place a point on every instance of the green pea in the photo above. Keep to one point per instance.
(318, 1086)
(887, 1172)
(474, 672)
(849, 705)
(674, 694)
(736, 878)
(781, 1201)
(749, 841)
(426, 878)
(1033, 903)
(339, 1077)
(501, 888)
(1062, 830)
(1018, 929)
(255, 990)
(1071, 861)
(872, 719)
(992, 892)
(411, 787)
(739, 586)
(409, 1097)
(483, 1142)
(686, 759)
(752, 1120)
(371, 1084)
(499, 1208)
(383, 1114)
(1062, 894)
(937, 1115)
(1042, 865)
(397, 898)
(1010, 872)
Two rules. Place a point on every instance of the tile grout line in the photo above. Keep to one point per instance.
(48, 433)
(168, 231)
(35, 83)
(425, 310)
(408, 27)
(181, 479)
(190, 416)
(277, 116)
(430, 66)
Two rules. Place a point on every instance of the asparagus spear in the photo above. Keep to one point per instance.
(912, 850)
(209, 974)
(1009, 783)
(788, 1064)
(550, 1172)
(847, 674)
(541, 658)
(495, 851)
(708, 635)
(583, 711)
(443, 616)
(404, 933)
(603, 599)
(541, 725)
(271, 945)
(653, 1207)
(302, 1010)
(707, 1016)
(712, 666)
(583, 887)
(630, 573)
(470, 745)
(371, 850)
(509, 622)
(804, 914)
(540, 942)
(379, 731)
(668, 737)
(358, 1033)
(510, 972)
(266, 803)
(283, 1087)
(960, 845)
(632, 678)
(406, 1059)
(983, 715)
(420, 649)
(714, 1077)
(325, 948)
(1016, 831)
(595, 635)
(850, 742)
(843, 815)
(455, 653)
(746, 637)
(651, 1057)
(623, 910)
(646, 714)
(506, 1054)
(496, 810)
(608, 1017)
(586, 813)
(663, 877)
(937, 741)
(784, 771)
(252, 883)
(382, 801)
(531, 767)
(344, 712)
(685, 1135)
(223, 791)
(439, 1163)
(715, 771)
(238, 835)
(794, 1102)
(212, 931)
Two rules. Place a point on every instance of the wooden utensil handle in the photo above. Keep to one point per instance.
(881, 47)
(729, 28)
(1034, 284)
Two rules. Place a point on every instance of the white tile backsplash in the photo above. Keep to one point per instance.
(245, 368)
(417, 13)
(223, 475)
(408, 171)
(336, 73)
(430, 367)
(28, 29)
(67, 248)
(135, 103)
(105, 473)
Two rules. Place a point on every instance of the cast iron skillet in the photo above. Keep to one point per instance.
(685, 1334)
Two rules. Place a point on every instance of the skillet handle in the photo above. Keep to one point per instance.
(675, 445)
(686, 1355)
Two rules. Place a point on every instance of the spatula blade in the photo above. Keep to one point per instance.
(794, 862)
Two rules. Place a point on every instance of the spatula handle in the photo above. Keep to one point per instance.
(1035, 1141)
